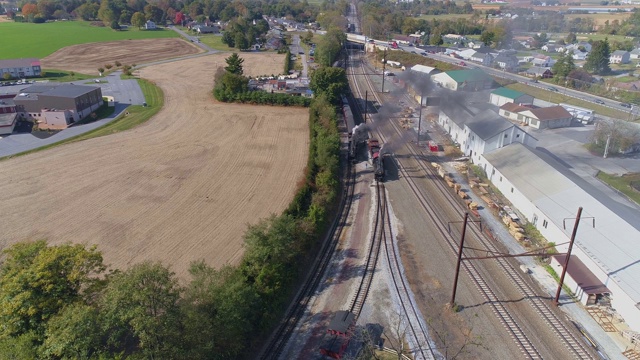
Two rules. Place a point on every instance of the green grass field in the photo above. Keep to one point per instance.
(215, 42)
(22, 40)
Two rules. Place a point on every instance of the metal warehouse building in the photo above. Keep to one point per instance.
(58, 106)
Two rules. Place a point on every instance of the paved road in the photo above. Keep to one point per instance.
(195, 40)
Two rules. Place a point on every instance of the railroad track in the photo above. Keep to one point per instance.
(379, 232)
(383, 236)
(572, 343)
(280, 337)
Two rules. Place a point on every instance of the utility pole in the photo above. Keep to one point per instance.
(566, 260)
(366, 103)
(384, 67)
(455, 280)
(420, 118)
(606, 146)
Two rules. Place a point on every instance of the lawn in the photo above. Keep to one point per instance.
(600, 19)
(23, 40)
(558, 97)
(63, 76)
(625, 184)
(215, 42)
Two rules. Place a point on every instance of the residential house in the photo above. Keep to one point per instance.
(550, 48)
(546, 118)
(20, 68)
(580, 56)
(510, 111)
(150, 25)
(466, 54)
(546, 193)
(542, 60)
(539, 72)
(634, 54)
(475, 44)
(463, 80)
(503, 95)
(506, 62)
(619, 57)
(582, 46)
(58, 106)
(404, 40)
(482, 58)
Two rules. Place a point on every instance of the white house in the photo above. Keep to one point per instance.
(501, 96)
(634, 54)
(543, 61)
(619, 57)
(545, 118)
(507, 62)
(150, 25)
(484, 59)
(547, 194)
(580, 56)
(550, 48)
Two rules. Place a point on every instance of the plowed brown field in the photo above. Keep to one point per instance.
(87, 58)
(179, 188)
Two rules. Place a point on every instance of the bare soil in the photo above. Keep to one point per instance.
(87, 58)
(181, 187)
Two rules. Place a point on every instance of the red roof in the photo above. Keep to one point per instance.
(513, 107)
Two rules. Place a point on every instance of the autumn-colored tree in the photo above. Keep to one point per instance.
(180, 18)
(138, 19)
(29, 9)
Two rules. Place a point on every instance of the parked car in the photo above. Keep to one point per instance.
(534, 80)
(627, 105)
(551, 88)
(598, 101)
(423, 53)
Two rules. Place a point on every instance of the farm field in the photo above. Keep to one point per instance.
(445, 16)
(214, 42)
(87, 58)
(600, 19)
(181, 187)
(40, 40)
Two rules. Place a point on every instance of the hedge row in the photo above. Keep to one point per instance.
(261, 98)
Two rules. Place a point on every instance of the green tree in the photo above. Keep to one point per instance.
(330, 81)
(37, 281)
(221, 312)
(241, 41)
(23, 347)
(436, 39)
(106, 13)
(228, 38)
(138, 19)
(141, 305)
(564, 65)
(115, 25)
(73, 334)
(234, 64)
(488, 37)
(307, 38)
(328, 48)
(598, 59)
(571, 38)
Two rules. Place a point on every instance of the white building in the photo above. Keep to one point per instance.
(479, 131)
(463, 80)
(501, 96)
(150, 25)
(20, 68)
(549, 195)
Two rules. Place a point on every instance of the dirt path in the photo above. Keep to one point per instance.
(87, 58)
(179, 188)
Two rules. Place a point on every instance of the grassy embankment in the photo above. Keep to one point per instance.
(137, 115)
(39, 40)
(558, 97)
(623, 184)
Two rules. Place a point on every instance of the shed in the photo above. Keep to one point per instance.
(582, 282)
(342, 323)
(501, 96)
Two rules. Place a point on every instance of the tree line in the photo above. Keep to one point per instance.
(160, 11)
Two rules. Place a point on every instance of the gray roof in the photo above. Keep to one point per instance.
(487, 124)
(17, 63)
(619, 53)
(64, 90)
(537, 70)
(614, 243)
